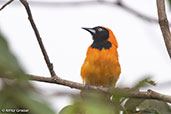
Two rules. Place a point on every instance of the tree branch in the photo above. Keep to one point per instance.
(10, 1)
(164, 25)
(30, 17)
(149, 94)
(127, 92)
(66, 83)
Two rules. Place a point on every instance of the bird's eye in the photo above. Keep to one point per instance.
(100, 29)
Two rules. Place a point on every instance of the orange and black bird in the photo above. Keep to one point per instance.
(101, 66)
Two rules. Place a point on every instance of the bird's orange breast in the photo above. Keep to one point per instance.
(101, 67)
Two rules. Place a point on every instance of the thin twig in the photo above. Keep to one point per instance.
(30, 17)
(119, 3)
(10, 1)
(136, 13)
(164, 25)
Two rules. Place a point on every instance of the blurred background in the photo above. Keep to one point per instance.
(142, 51)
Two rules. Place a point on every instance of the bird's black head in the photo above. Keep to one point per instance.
(99, 33)
(100, 36)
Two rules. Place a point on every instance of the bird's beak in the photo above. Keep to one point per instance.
(91, 30)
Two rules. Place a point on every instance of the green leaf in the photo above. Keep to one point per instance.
(144, 82)
(9, 66)
(70, 109)
(155, 105)
(91, 107)
(34, 104)
(132, 104)
(146, 112)
(17, 98)
(91, 104)
(17, 93)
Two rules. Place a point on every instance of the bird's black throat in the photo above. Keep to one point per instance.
(102, 44)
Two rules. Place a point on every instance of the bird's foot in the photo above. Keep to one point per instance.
(87, 85)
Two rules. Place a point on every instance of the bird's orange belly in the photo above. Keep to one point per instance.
(101, 71)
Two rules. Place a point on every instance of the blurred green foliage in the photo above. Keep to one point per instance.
(119, 103)
(18, 94)
(169, 3)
